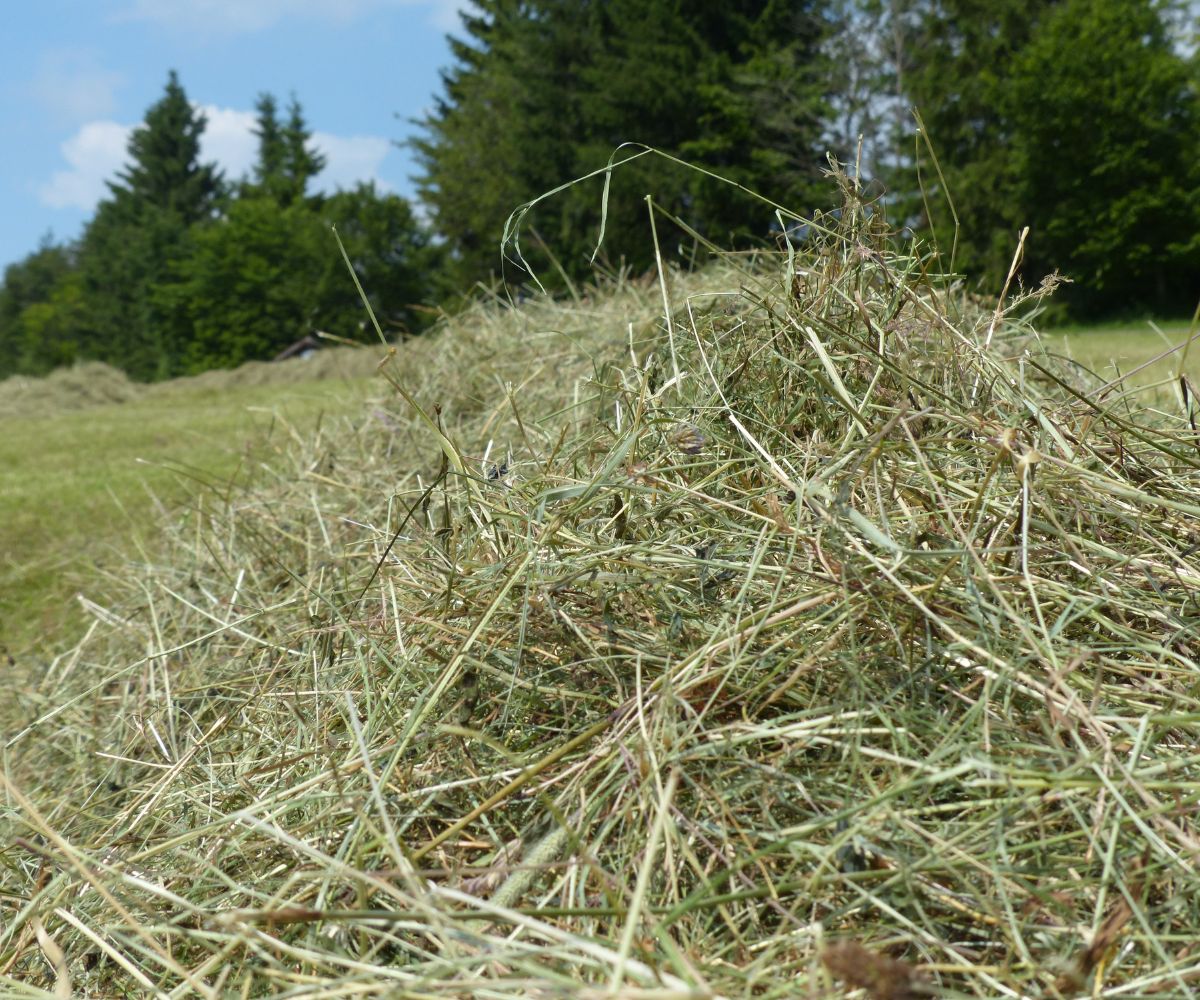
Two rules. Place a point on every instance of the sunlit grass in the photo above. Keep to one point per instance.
(1113, 351)
(79, 488)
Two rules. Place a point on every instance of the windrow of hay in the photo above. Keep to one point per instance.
(328, 363)
(94, 383)
(813, 634)
(90, 383)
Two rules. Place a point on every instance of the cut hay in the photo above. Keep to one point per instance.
(87, 384)
(330, 363)
(820, 634)
(94, 383)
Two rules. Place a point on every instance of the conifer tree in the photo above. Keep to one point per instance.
(953, 61)
(172, 277)
(485, 151)
(301, 162)
(269, 169)
(139, 234)
(286, 162)
(166, 174)
(544, 91)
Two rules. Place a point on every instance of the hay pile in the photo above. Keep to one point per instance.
(94, 383)
(329, 363)
(815, 634)
(79, 387)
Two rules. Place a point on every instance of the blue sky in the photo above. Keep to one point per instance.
(77, 76)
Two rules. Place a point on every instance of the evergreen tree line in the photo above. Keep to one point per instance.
(1077, 118)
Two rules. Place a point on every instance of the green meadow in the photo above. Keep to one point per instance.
(1141, 351)
(91, 464)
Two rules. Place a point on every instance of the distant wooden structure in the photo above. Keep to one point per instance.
(305, 347)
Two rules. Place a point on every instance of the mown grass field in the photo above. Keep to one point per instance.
(1114, 349)
(84, 482)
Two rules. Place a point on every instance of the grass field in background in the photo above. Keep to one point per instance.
(78, 484)
(1114, 349)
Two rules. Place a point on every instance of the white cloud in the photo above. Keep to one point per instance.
(243, 16)
(222, 15)
(228, 139)
(350, 159)
(93, 154)
(97, 151)
(71, 84)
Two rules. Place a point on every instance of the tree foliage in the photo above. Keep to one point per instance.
(165, 173)
(266, 274)
(272, 151)
(286, 161)
(543, 92)
(177, 272)
(131, 250)
(38, 305)
(1106, 164)
(1077, 118)
(242, 290)
(952, 63)
(392, 256)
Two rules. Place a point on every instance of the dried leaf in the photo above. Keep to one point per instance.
(1105, 938)
(882, 977)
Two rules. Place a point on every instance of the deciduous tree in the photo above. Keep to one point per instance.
(1105, 121)
(40, 313)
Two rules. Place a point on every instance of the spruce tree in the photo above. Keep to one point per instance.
(269, 169)
(166, 174)
(130, 250)
(545, 91)
(286, 161)
(484, 150)
(952, 61)
(301, 162)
